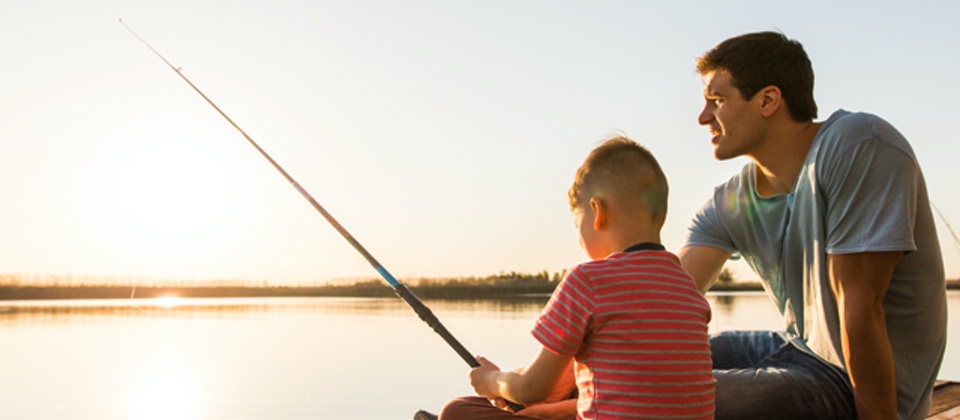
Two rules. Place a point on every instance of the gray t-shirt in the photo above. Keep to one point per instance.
(860, 190)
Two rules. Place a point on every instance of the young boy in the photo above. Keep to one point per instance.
(631, 321)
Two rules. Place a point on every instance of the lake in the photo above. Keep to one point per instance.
(276, 358)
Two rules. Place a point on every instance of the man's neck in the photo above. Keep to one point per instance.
(779, 164)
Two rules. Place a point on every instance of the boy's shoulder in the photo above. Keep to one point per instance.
(629, 261)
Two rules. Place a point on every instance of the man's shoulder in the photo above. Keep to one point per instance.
(846, 130)
(845, 124)
(843, 121)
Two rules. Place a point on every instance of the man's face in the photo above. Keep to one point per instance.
(735, 123)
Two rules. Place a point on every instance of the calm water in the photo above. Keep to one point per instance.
(286, 358)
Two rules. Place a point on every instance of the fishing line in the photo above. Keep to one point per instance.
(956, 240)
(401, 290)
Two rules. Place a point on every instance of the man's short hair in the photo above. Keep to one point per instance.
(761, 59)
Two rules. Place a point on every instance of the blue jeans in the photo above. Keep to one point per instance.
(760, 375)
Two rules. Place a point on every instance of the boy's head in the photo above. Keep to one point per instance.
(762, 59)
(623, 176)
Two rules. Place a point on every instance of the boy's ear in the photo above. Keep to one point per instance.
(599, 212)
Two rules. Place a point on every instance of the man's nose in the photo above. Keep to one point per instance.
(706, 115)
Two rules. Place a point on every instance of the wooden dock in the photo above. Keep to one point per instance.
(946, 401)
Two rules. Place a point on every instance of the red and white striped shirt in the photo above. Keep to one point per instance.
(636, 326)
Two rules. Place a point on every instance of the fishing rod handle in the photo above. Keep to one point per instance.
(428, 317)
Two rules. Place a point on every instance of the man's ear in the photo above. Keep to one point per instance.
(771, 99)
(599, 209)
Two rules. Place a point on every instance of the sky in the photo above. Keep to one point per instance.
(443, 135)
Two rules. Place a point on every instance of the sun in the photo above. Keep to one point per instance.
(168, 301)
(168, 198)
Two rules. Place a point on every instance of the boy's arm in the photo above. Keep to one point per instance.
(703, 263)
(859, 283)
(531, 384)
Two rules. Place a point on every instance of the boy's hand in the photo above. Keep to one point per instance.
(534, 383)
(484, 379)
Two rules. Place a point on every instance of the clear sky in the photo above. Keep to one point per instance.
(442, 134)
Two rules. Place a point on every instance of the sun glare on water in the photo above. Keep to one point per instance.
(165, 391)
(168, 301)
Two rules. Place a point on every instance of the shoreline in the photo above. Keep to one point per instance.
(372, 288)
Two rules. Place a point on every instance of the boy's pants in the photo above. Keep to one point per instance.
(761, 375)
(477, 408)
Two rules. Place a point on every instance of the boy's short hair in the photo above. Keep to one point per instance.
(761, 59)
(622, 170)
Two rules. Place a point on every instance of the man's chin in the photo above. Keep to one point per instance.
(720, 154)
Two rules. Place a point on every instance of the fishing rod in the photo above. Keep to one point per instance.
(401, 290)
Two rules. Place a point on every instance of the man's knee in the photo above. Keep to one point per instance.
(743, 349)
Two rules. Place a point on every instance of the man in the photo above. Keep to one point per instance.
(834, 218)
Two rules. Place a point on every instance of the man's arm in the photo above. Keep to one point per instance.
(859, 283)
(703, 263)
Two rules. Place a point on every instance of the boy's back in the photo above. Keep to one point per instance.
(637, 327)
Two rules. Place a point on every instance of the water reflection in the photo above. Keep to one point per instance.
(743, 311)
(275, 358)
(724, 301)
(56, 311)
(166, 390)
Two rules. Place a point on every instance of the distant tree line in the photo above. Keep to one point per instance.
(496, 286)
(501, 285)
